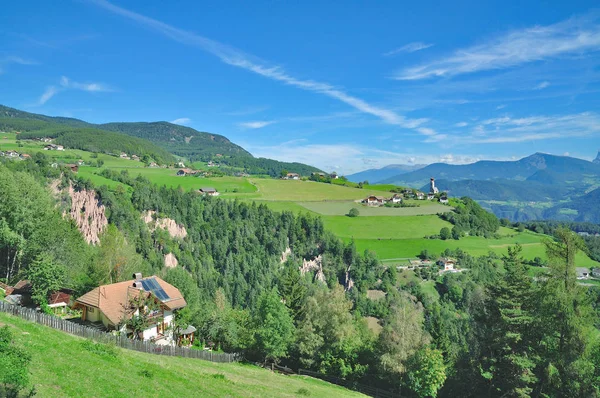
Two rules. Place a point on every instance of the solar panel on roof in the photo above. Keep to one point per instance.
(152, 285)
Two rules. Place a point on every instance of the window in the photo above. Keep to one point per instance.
(90, 309)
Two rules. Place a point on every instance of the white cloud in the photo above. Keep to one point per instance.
(256, 124)
(537, 43)
(409, 48)
(502, 106)
(349, 158)
(542, 85)
(182, 121)
(91, 87)
(12, 59)
(461, 124)
(67, 84)
(238, 58)
(534, 128)
(50, 92)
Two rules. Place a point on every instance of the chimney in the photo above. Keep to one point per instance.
(137, 276)
(138, 285)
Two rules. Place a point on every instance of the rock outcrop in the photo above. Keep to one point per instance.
(285, 255)
(597, 160)
(315, 264)
(168, 224)
(89, 214)
(171, 260)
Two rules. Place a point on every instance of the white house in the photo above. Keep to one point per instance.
(113, 305)
(444, 199)
(374, 200)
(582, 273)
(447, 264)
(209, 191)
(395, 199)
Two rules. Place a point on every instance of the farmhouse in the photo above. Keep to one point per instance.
(582, 273)
(420, 195)
(334, 176)
(396, 198)
(208, 191)
(25, 156)
(292, 176)
(124, 155)
(74, 168)
(135, 157)
(447, 264)
(430, 196)
(153, 164)
(444, 199)
(54, 147)
(113, 305)
(185, 172)
(374, 200)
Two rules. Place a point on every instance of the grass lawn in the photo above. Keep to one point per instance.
(389, 250)
(342, 208)
(307, 191)
(374, 228)
(168, 177)
(61, 367)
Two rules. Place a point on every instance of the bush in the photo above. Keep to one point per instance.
(303, 391)
(353, 212)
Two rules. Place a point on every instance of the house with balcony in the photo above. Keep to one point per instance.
(112, 306)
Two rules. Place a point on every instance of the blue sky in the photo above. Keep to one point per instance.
(341, 85)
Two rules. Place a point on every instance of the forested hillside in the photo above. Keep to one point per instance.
(180, 140)
(159, 140)
(452, 334)
(86, 138)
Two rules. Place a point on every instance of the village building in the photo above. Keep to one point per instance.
(420, 196)
(135, 157)
(211, 163)
(186, 172)
(74, 168)
(180, 164)
(373, 200)
(430, 196)
(582, 273)
(596, 272)
(80, 162)
(396, 198)
(432, 188)
(60, 301)
(334, 176)
(124, 155)
(292, 176)
(447, 263)
(208, 191)
(11, 154)
(113, 305)
(444, 199)
(24, 156)
(153, 164)
(418, 263)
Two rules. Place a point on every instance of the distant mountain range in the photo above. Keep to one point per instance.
(540, 186)
(374, 176)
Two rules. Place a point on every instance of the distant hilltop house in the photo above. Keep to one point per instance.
(54, 147)
(292, 176)
(124, 155)
(74, 168)
(186, 172)
(444, 199)
(135, 157)
(24, 156)
(153, 164)
(334, 176)
(420, 196)
(209, 191)
(180, 164)
(115, 304)
(211, 164)
(11, 154)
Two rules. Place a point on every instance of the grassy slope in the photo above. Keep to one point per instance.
(342, 208)
(60, 367)
(408, 227)
(307, 191)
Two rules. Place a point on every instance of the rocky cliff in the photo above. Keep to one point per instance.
(174, 229)
(89, 214)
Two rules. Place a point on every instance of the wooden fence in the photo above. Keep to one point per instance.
(119, 340)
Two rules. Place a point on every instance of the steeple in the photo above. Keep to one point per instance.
(432, 188)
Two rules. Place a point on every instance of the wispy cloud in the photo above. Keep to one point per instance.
(409, 48)
(12, 59)
(533, 128)
(573, 36)
(50, 92)
(67, 84)
(182, 121)
(501, 106)
(256, 124)
(542, 85)
(461, 124)
(240, 59)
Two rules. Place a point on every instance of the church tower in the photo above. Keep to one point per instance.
(432, 188)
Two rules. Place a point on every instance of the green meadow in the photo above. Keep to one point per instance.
(62, 367)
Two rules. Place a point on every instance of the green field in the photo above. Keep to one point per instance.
(168, 177)
(307, 191)
(331, 208)
(60, 367)
(375, 228)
